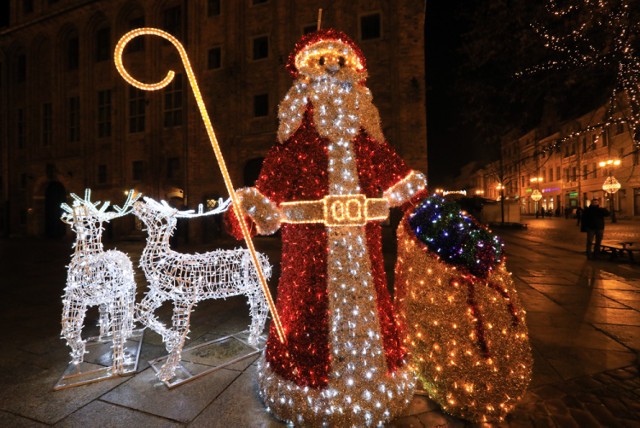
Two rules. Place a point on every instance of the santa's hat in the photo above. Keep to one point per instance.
(326, 38)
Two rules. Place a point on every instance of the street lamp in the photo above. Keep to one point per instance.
(611, 185)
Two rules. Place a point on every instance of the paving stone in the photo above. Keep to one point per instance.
(584, 418)
(239, 405)
(617, 407)
(101, 414)
(15, 421)
(146, 393)
(601, 413)
(566, 421)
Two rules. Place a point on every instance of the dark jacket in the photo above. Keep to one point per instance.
(593, 217)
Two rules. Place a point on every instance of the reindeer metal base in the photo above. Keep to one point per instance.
(207, 357)
(97, 364)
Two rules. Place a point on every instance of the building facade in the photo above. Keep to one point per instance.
(68, 121)
(566, 166)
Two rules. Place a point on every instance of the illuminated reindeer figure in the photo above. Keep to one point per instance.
(186, 279)
(97, 277)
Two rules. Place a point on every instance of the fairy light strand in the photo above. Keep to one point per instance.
(186, 279)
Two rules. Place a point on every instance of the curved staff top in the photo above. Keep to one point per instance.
(212, 139)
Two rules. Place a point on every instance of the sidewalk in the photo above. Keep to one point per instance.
(583, 318)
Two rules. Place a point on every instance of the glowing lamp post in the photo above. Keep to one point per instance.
(611, 185)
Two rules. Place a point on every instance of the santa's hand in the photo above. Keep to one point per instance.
(415, 200)
(233, 227)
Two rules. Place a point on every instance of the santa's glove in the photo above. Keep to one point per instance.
(232, 225)
(415, 200)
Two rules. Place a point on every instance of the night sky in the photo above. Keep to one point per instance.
(447, 140)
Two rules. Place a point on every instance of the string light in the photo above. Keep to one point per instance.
(342, 363)
(186, 279)
(461, 318)
(97, 278)
(582, 47)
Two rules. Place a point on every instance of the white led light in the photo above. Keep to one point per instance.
(97, 278)
(186, 279)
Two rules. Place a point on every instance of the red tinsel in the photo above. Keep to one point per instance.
(297, 170)
(322, 35)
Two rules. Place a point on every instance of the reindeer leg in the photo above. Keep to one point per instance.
(258, 310)
(72, 321)
(181, 320)
(145, 315)
(121, 330)
(104, 323)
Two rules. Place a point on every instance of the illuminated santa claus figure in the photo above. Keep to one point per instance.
(328, 184)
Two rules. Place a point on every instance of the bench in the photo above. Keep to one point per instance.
(617, 249)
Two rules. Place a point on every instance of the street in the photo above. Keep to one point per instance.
(583, 318)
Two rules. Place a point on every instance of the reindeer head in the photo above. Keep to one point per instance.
(161, 218)
(86, 217)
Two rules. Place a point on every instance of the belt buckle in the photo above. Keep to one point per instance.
(344, 210)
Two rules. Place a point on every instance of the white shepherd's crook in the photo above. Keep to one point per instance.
(212, 139)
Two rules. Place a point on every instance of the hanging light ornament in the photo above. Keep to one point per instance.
(611, 185)
(536, 195)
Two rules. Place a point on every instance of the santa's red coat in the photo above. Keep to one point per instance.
(296, 170)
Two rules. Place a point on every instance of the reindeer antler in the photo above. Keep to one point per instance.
(169, 211)
(222, 207)
(127, 207)
(94, 208)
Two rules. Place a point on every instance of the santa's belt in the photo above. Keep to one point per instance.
(336, 210)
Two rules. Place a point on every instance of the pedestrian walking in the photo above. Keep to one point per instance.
(593, 223)
(578, 215)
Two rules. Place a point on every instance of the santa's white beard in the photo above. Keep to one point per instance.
(340, 109)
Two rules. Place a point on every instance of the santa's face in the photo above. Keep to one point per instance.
(330, 59)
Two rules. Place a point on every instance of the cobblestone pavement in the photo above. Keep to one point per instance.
(583, 318)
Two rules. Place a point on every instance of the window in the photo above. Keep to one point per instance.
(595, 170)
(261, 47)
(619, 128)
(213, 7)
(550, 173)
(172, 21)
(137, 104)
(21, 68)
(261, 105)
(370, 27)
(173, 168)
(173, 103)
(604, 140)
(214, 58)
(137, 170)
(73, 53)
(585, 172)
(21, 129)
(74, 119)
(522, 181)
(47, 124)
(566, 174)
(103, 44)
(636, 157)
(584, 144)
(102, 174)
(104, 114)
(137, 44)
(574, 175)
(558, 173)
